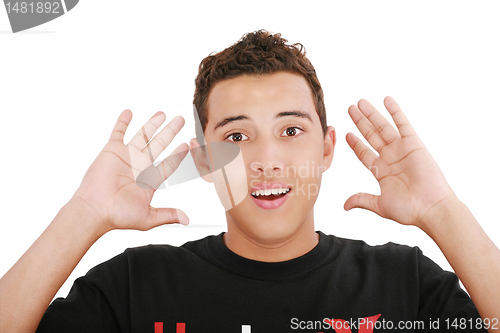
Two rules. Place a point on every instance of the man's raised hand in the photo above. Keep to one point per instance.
(109, 191)
(412, 186)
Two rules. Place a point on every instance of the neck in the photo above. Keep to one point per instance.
(272, 248)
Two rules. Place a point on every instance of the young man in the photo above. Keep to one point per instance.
(271, 271)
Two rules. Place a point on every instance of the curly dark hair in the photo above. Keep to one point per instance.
(256, 53)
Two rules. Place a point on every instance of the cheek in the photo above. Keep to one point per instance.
(231, 183)
(307, 177)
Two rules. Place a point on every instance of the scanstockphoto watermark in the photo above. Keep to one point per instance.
(369, 324)
(304, 180)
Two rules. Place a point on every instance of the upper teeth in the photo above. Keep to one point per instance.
(270, 191)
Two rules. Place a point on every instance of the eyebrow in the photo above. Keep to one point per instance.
(228, 120)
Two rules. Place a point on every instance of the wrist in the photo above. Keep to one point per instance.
(85, 219)
(445, 214)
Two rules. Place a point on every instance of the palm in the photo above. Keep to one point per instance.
(410, 181)
(109, 187)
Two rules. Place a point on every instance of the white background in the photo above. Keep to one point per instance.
(64, 83)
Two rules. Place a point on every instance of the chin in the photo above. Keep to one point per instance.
(266, 228)
(276, 232)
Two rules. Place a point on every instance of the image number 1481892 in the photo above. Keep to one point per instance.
(27, 14)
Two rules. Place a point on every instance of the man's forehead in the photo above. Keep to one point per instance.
(244, 86)
(276, 92)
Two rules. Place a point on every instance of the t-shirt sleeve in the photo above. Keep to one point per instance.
(97, 302)
(443, 301)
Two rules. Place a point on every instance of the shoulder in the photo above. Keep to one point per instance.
(358, 249)
(190, 256)
(153, 250)
(388, 257)
(147, 259)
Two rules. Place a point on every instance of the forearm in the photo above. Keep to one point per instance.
(471, 253)
(29, 286)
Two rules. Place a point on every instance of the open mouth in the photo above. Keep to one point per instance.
(271, 194)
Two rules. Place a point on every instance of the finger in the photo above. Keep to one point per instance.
(366, 128)
(402, 123)
(142, 137)
(172, 162)
(387, 132)
(166, 135)
(364, 201)
(159, 216)
(121, 126)
(363, 153)
(152, 177)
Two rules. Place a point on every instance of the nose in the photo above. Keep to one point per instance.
(268, 170)
(267, 161)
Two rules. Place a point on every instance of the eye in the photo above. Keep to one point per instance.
(291, 131)
(237, 137)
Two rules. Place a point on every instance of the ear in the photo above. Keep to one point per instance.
(330, 140)
(200, 159)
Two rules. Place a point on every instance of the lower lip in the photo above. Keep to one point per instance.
(269, 204)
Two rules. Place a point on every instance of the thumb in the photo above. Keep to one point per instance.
(364, 201)
(159, 216)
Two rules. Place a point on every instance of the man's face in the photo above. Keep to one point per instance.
(274, 121)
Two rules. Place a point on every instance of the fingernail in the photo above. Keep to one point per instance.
(183, 218)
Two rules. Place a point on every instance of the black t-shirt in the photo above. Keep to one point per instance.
(339, 286)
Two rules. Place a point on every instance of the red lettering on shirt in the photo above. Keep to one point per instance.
(159, 327)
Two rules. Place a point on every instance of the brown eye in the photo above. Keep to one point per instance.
(237, 137)
(291, 131)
